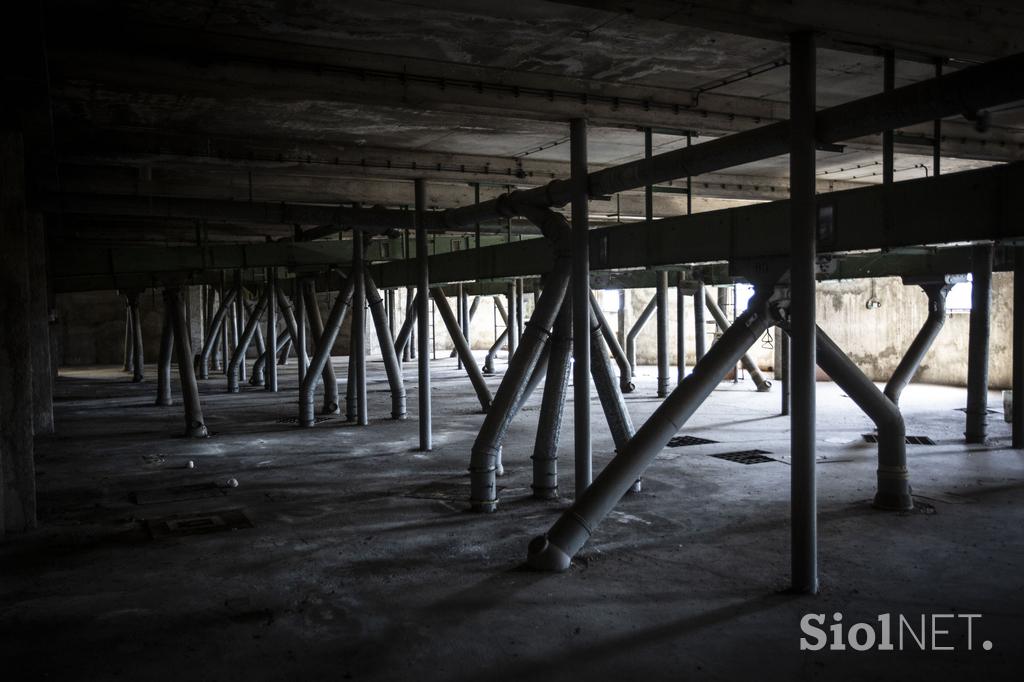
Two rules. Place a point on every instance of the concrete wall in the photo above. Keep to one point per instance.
(875, 339)
(90, 327)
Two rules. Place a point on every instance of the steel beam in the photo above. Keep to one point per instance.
(968, 90)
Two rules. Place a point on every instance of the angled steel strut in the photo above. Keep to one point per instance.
(554, 551)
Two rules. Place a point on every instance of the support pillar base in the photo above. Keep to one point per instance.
(894, 492)
(196, 430)
(542, 555)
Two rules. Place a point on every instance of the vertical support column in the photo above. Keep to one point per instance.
(699, 326)
(138, 358)
(128, 336)
(467, 320)
(1017, 416)
(680, 330)
(937, 132)
(300, 328)
(662, 324)
(977, 345)
(239, 321)
(580, 303)
(270, 366)
(510, 323)
(409, 350)
(520, 309)
(459, 311)
(163, 369)
(423, 317)
(803, 248)
(224, 349)
(359, 327)
(784, 371)
(17, 455)
(195, 426)
(39, 328)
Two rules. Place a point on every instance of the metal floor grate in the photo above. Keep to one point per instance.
(295, 420)
(910, 440)
(198, 524)
(683, 441)
(745, 457)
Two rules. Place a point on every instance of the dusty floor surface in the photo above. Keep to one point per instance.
(361, 562)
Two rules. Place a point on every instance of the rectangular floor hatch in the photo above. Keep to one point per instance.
(745, 457)
(683, 441)
(198, 524)
(910, 440)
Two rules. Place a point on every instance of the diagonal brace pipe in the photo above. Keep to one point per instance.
(636, 329)
(893, 483)
(912, 359)
(762, 384)
(483, 393)
(625, 368)
(555, 550)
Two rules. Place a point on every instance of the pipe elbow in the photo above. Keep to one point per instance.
(196, 429)
(544, 555)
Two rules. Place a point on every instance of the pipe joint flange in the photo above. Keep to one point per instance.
(483, 506)
(543, 492)
(543, 555)
(765, 386)
(330, 407)
(894, 492)
(626, 386)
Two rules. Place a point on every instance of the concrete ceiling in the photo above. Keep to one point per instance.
(293, 97)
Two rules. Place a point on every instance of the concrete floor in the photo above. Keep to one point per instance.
(362, 563)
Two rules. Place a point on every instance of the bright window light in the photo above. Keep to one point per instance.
(610, 301)
(958, 300)
(744, 292)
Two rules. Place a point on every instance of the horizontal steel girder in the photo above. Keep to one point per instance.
(970, 206)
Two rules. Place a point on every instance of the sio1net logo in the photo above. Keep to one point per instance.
(892, 632)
